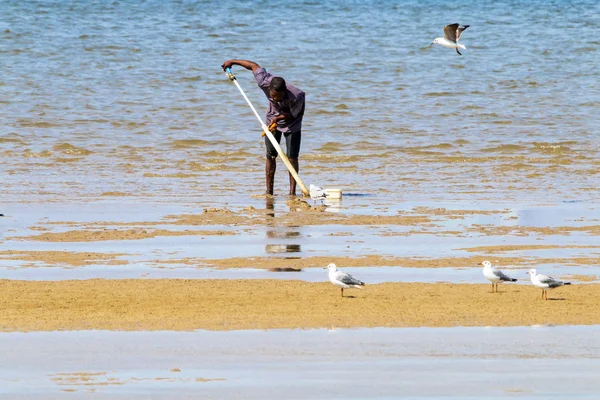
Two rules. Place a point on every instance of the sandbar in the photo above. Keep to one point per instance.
(184, 305)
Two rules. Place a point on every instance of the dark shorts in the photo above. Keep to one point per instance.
(292, 144)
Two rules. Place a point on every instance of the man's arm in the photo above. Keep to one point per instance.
(282, 116)
(251, 65)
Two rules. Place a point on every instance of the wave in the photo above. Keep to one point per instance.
(196, 166)
(188, 143)
(25, 123)
(552, 148)
(444, 94)
(191, 79)
(236, 153)
(6, 139)
(32, 154)
(67, 148)
(330, 147)
(505, 148)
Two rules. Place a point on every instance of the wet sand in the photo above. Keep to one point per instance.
(172, 304)
(79, 259)
(248, 236)
(116, 234)
(418, 220)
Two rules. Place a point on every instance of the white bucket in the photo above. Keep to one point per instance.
(333, 193)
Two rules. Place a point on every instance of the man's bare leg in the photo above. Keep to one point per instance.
(294, 162)
(270, 168)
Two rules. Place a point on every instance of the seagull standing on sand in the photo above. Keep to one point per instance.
(343, 280)
(495, 276)
(545, 282)
(452, 33)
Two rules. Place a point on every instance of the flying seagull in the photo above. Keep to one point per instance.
(545, 282)
(452, 33)
(343, 280)
(495, 276)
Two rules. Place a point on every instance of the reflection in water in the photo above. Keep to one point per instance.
(333, 205)
(286, 234)
(282, 248)
(280, 232)
(270, 207)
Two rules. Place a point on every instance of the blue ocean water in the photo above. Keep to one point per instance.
(127, 98)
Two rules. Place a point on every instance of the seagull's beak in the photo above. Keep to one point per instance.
(432, 43)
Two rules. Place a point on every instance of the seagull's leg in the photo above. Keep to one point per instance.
(458, 51)
(492, 287)
(342, 292)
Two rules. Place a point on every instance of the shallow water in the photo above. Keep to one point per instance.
(431, 363)
(94, 108)
(370, 275)
(182, 256)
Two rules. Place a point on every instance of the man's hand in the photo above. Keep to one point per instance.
(281, 117)
(227, 64)
(272, 128)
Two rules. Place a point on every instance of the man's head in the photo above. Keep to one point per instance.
(277, 89)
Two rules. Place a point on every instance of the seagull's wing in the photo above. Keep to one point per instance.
(316, 192)
(450, 32)
(546, 279)
(550, 281)
(460, 30)
(502, 276)
(348, 279)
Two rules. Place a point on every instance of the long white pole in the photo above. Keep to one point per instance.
(286, 161)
